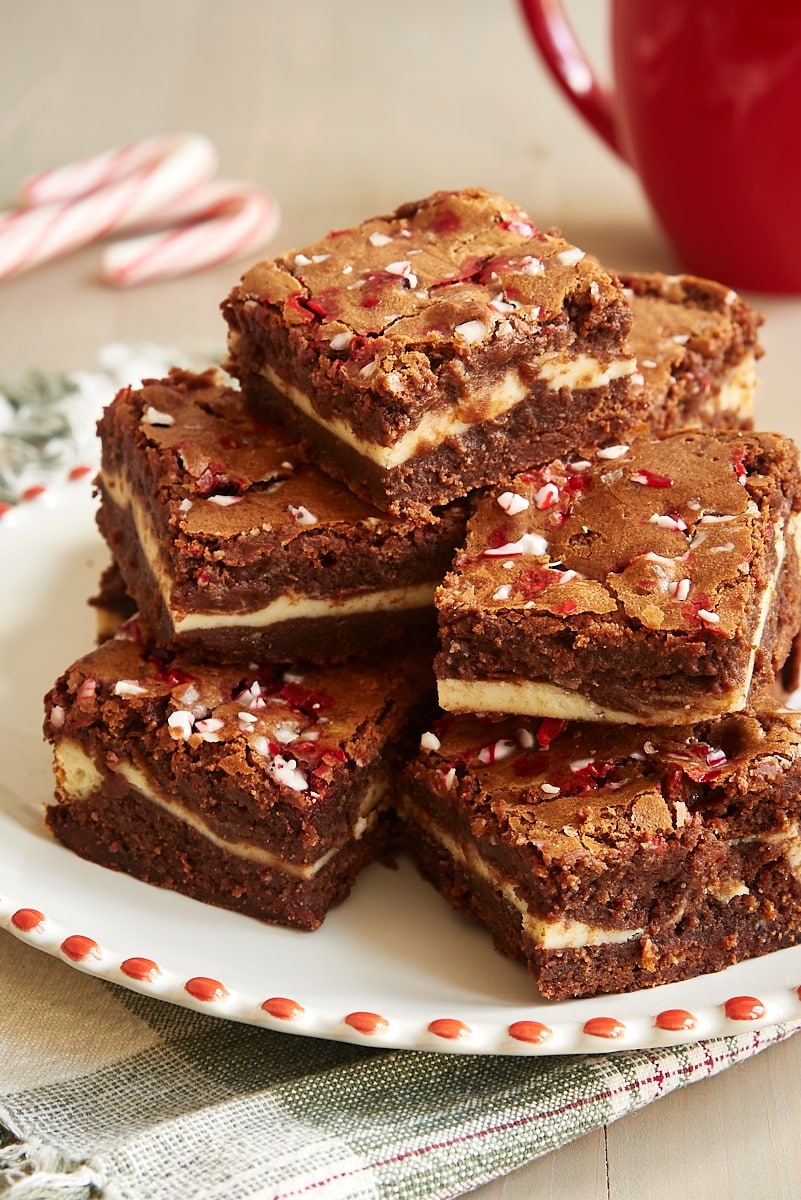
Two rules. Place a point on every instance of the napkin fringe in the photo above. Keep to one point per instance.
(31, 1169)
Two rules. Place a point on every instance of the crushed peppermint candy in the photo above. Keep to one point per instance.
(377, 238)
(546, 496)
(471, 331)
(522, 228)
(129, 687)
(341, 341)
(301, 515)
(57, 716)
(679, 589)
(667, 521)
(208, 728)
(500, 304)
(569, 257)
(223, 499)
(651, 479)
(527, 543)
(87, 691)
(185, 505)
(496, 751)
(503, 592)
(449, 778)
(180, 724)
(252, 697)
(550, 789)
(430, 741)
(285, 733)
(708, 617)
(525, 737)
(404, 270)
(512, 503)
(152, 416)
(613, 451)
(286, 773)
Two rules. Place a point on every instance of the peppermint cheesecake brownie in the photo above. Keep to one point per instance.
(653, 583)
(612, 858)
(264, 791)
(429, 352)
(696, 344)
(230, 543)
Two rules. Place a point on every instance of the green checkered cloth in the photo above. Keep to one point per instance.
(107, 1093)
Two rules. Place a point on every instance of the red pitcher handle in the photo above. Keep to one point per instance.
(567, 63)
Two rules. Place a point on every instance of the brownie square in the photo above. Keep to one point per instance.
(653, 583)
(265, 792)
(696, 344)
(434, 350)
(231, 545)
(612, 858)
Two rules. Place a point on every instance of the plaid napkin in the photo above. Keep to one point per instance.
(106, 1093)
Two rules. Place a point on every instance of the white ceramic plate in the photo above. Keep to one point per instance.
(393, 966)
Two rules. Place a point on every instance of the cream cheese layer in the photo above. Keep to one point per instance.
(556, 370)
(289, 607)
(80, 778)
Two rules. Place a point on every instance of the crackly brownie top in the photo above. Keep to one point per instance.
(306, 728)
(683, 325)
(668, 534)
(462, 268)
(564, 788)
(225, 476)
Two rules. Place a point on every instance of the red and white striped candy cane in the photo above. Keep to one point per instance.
(237, 219)
(193, 157)
(139, 184)
(162, 183)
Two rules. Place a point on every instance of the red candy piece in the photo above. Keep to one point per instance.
(674, 1020)
(27, 920)
(533, 1032)
(744, 1008)
(367, 1022)
(450, 1028)
(548, 729)
(283, 1009)
(77, 947)
(143, 969)
(604, 1027)
(32, 492)
(203, 988)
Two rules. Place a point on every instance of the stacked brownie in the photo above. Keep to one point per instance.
(448, 410)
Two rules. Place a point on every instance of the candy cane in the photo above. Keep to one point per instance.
(156, 182)
(192, 155)
(238, 221)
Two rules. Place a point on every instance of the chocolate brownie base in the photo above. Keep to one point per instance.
(652, 583)
(610, 859)
(263, 792)
(401, 349)
(231, 545)
(111, 602)
(696, 344)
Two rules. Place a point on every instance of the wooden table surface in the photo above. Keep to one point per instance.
(344, 111)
